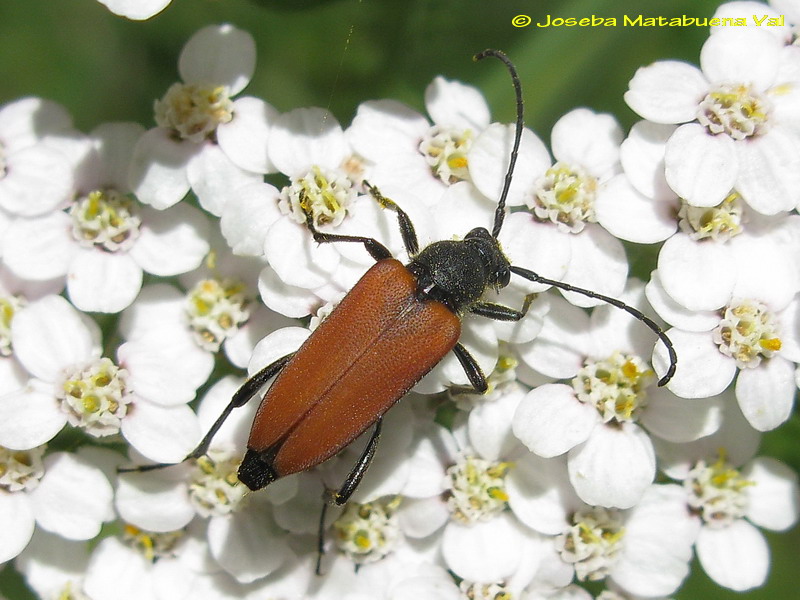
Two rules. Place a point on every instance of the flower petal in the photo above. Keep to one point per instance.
(154, 502)
(164, 434)
(30, 417)
(103, 282)
(16, 522)
(158, 168)
(173, 241)
(699, 167)
(702, 371)
(72, 498)
(219, 55)
(613, 467)
(766, 393)
(550, 420)
(667, 91)
(483, 551)
(736, 557)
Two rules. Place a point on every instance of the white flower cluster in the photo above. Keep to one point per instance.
(574, 466)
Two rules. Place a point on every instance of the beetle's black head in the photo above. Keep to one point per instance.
(457, 273)
(495, 263)
(255, 471)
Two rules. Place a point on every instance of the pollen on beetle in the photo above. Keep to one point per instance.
(21, 470)
(565, 196)
(194, 111)
(616, 386)
(445, 149)
(748, 332)
(106, 219)
(368, 532)
(735, 110)
(9, 306)
(484, 591)
(593, 543)
(323, 193)
(214, 487)
(216, 308)
(476, 489)
(152, 545)
(719, 223)
(95, 397)
(717, 491)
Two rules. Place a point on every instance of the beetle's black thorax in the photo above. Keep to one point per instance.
(457, 273)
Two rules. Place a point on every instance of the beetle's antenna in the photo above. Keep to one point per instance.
(500, 212)
(673, 357)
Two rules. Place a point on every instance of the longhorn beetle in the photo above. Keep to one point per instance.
(392, 328)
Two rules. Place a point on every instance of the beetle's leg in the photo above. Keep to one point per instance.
(474, 373)
(406, 226)
(376, 250)
(248, 390)
(348, 487)
(357, 473)
(498, 312)
(673, 357)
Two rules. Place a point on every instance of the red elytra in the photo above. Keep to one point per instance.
(372, 349)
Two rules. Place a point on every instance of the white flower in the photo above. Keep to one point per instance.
(598, 418)
(645, 550)
(412, 154)
(205, 140)
(747, 337)
(69, 382)
(63, 493)
(137, 10)
(35, 174)
(105, 240)
(739, 130)
(732, 493)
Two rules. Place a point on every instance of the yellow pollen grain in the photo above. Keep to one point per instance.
(772, 345)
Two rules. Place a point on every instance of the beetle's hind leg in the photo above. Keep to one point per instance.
(249, 389)
(348, 487)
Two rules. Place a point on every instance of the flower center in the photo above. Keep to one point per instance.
(565, 196)
(368, 532)
(484, 591)
(476, 489)
(214, 487)
(216, 309)
(71, 590)
(736, 110)
(593, 543)
(747, 332)
(150, 544)
(615, 386)
(716, 492)
(95, 397)
(107, 219)
(9, 306)
(324, 194)
(720, 223)
(193, 111)
(445, 150)
(21, 470)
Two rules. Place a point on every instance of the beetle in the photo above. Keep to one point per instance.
(396, 324)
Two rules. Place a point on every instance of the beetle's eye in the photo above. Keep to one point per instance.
(503, 277)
